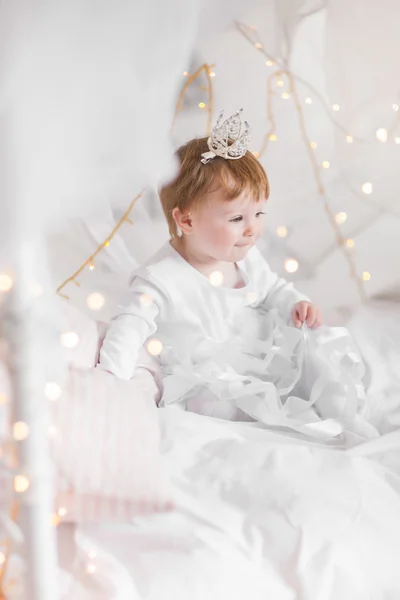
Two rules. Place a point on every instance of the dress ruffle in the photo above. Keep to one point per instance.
(268, 371)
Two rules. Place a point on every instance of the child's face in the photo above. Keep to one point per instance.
(224, 229)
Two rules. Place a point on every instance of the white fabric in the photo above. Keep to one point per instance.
(170, 297)
(260, 515)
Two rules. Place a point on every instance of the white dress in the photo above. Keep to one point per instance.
(234, 353)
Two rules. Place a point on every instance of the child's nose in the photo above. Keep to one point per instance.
(249, 231)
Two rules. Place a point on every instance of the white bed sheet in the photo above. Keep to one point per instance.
(260, 514)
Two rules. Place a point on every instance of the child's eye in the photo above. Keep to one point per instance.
(260, 213)
(237, 219)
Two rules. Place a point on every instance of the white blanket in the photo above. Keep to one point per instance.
(260, 515)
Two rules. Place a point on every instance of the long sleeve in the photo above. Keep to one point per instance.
(130, 328)
(274, 291)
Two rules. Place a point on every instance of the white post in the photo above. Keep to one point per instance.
(26, 334)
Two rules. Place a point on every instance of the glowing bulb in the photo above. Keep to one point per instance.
(382, 134)
(366, 276)
(349, 139)
(91, 266)
(212, 74)
(258, 45)
(285, 95)
(21, 483)
(308, 100)
(350, 243)
(281, 231)
(202, 105)
(279, 82)
(55, 520)
(154, 347)
(69, 339)
(52, 390)
(146, 300)
(395, 107)
(2, 559)
(270, 63)
(216, 278)
(273, 137)
(3, 399)
(313, 145)
(107, 243)
(185, 73)
(20, 431)
(341, 217)
(62, 511)
(326, 164)
(95, 301)
(397, 140)
(336, 107)
(6, 282)
(291, 265)
(367, 187)
(91, 568)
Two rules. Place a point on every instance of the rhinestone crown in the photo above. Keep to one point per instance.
(227, 139)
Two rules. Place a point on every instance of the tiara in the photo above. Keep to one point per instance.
(229, 131)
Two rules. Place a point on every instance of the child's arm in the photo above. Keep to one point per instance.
(277, 293)
(129, 329)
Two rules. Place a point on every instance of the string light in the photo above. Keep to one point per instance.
(185, 73)
(279, 82)
(55, 520)
(91, 266)
(154, 347)
(52, 391)
(349, 139)
(350, 243)
(3, 399)
(382, 134)
(366, 276)
(146, 300)
(6, 282)
(270, 63)
(395, 107)
(179, 105)
(212, 74)
(20, 431)
(313, 145)
(273, 137)
(341, 217)
(308, 100)
(367, 187)
(202, 105)
(91, 568)
(326, 164)
(256, 154)
(95, 301)
(69, 339)
(62, 511)
(282, 231)
(105, 244)
(285, 96)
(259, 46)
(397, 140)
(21, 483)
(291, 265)
(2, 559)
(336, 107)
(216, 278)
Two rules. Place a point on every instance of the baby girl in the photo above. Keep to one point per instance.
(226, 330)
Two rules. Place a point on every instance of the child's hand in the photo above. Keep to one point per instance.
(308, 312)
